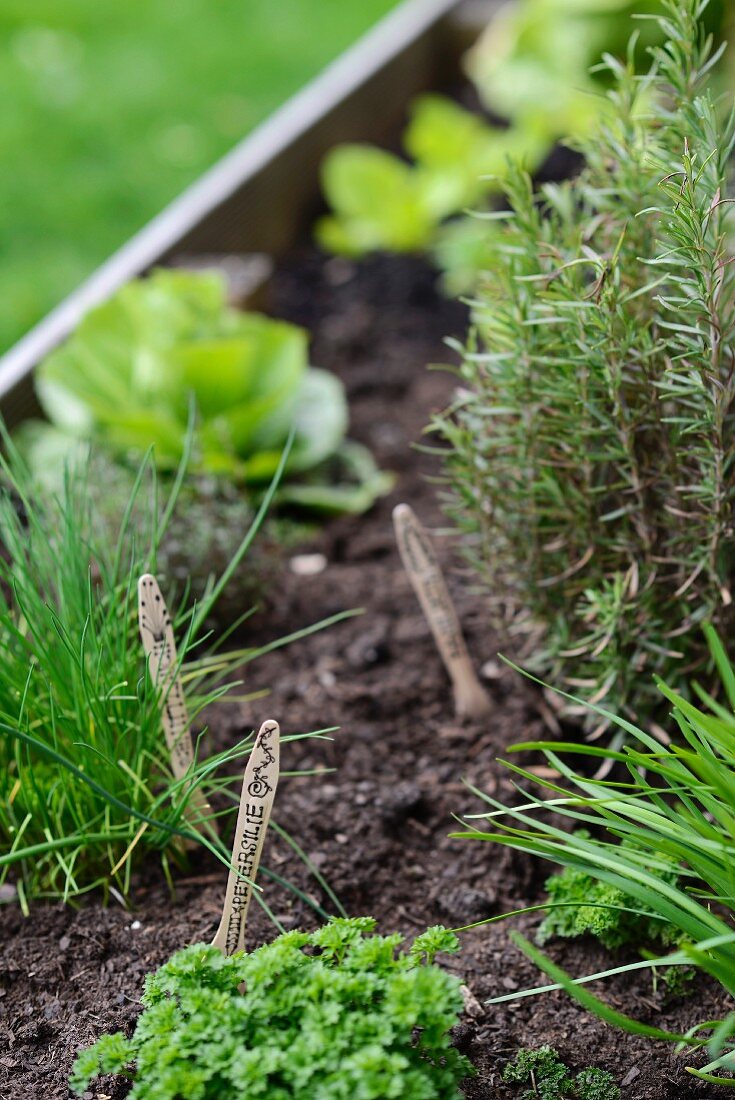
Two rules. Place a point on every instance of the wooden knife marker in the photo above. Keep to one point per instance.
(256, 802)
(422, 566)
(157, 635)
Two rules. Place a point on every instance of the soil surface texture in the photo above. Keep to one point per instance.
(377, 827)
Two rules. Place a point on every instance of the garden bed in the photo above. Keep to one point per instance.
(377, 827)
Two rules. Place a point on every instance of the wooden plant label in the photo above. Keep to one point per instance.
(256, 802)
(156, 632)
(422, 566)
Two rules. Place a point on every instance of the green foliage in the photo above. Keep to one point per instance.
(203, 534)
(592, 441)
(550, 1079)
(86, 788)
(104, 124)
(382, 202)
(595, 1084)
(128, 375)
(333, 1013)
(538, 66)
(669, 805)
(537, 62)
(587, 906)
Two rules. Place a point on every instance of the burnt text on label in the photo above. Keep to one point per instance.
(422, 566)
(157, 634)
(256, 801)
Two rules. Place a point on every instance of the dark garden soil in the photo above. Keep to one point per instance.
(377, 827)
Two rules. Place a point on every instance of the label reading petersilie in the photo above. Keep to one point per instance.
(256, 801)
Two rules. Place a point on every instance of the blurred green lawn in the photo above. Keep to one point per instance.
(111, 107)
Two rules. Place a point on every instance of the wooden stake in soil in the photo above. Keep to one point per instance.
(157, 635)
(422, 566)
(256, 802)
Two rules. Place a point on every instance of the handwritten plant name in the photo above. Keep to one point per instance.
(258, 792)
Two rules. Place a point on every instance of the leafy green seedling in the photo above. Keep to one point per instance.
(380, 202)
(582, 905)
(128, 374)
(332, 1013)
(550, 1079)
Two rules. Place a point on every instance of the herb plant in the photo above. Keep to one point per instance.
(669, 805)
(86, 788)
(582, 905)
(592, 441)
(550, 1079)
(537, 67)
(128, 374)
(331, 1013)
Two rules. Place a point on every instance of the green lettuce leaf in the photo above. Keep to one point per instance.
(131, 371)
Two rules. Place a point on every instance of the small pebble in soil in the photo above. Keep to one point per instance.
(337, 271)
(387, 436)
(398, 803)
(135, 925)
(472, 1006)
(465, 905)
(370, 647)
(307, 565)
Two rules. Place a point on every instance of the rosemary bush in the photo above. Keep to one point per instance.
(669, 806)
(86, 789)
(591, 460)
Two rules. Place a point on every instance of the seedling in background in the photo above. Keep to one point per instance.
(129, 373)
(256, 802)
(422, 566)
(550, 1079)
(157, 634)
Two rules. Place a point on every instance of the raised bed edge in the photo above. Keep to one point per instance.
(238, 204)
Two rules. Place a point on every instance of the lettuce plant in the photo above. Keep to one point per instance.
(592, 442)
(333, 1013)
(668, 805)
(381, 202)
(537, 66)
(537, 63)
(128, 375)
